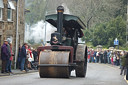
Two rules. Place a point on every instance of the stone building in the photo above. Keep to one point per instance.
(8, 22)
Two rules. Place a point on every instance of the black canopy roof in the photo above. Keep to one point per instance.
(69, 21)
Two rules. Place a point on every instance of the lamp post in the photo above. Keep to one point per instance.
(45, 41)
(16, 50)
(126, 38)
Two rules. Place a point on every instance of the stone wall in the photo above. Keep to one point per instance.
(8, 28)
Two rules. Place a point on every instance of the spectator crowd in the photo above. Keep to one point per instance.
(27, 57)
(105, 56)
(113, 57)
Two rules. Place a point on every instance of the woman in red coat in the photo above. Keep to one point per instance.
(30, 57)
(88, 56)
(11, 58)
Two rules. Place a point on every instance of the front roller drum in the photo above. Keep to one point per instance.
(54, 72)
(53, 64)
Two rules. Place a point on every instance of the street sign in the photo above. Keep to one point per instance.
(116, 42)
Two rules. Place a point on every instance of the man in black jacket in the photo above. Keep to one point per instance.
(35, 54)
(4, 55)
(23, 55)
(126, 62)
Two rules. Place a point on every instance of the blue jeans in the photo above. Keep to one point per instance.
(88, 60)
(108, 58)
(7, 66)
(22, 63)
(95, 59)
(10, 63)
(92, 59)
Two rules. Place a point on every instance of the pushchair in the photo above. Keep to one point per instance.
(34, 65)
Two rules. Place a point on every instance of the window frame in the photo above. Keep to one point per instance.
(9, 17)
(1, 14)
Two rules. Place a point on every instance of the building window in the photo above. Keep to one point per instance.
(10, 8)
(0, 13)
(1, 9)
(9, 14)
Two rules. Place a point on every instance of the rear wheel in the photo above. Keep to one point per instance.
(81, 69)
(81, 58)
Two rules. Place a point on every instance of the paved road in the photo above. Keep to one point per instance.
(97, 74)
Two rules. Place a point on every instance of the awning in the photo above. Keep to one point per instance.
(1, 4)
(11, 5)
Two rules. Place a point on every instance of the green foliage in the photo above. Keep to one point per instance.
(117, 29)
(123, 9)
(105, 33)
(37, 11)
(87, 35)
(31, 41)
(124, 47)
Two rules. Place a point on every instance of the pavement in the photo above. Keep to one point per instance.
(125, 79)
(16, 71)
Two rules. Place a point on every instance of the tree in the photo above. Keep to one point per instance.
(37, 13)
(104, 34)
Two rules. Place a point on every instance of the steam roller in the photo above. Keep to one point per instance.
(65, 53)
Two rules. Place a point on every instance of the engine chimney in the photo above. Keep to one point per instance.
(56, 38)
(60, 10)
